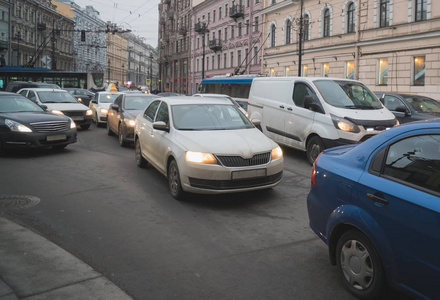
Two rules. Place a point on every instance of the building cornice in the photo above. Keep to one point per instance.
(277, 6)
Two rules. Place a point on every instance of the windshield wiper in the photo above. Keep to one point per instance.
(360, 107)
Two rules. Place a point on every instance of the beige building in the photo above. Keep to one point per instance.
(389, 45)
(117, 55)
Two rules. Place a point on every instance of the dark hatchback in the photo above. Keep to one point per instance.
(410, 108)
(24, 124)
(82, 95)
(122, 114)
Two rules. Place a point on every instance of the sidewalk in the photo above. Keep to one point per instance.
(32, 267)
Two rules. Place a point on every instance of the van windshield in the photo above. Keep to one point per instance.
(347, 94)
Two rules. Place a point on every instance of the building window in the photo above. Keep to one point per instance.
(232, 59)
(239, 58)
(325, 69)
(247, 27)
(224, 60)
(306, 33)
(255, 55)
(273, 30)
(288, 32)
(350, 18)
(419, 70)
(226, 33)
(213, 16)
(326, 29)
(213, 63)
(220, 34)
(219, 13)
(272, 72)
(421, 7)
(197, 65)
(218, 61)
(349, 73)
(382, 76)
(305, 70)
(226, 10)
(287, 71)
(256, 24)
(232, 31)
(207, 63)
(239, 29)
(384, 13)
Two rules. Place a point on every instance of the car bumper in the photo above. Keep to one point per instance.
(217, 179)
(19, 140)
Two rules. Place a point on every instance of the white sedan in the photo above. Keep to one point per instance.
(206, 146)
(222, 96)
(100, 104)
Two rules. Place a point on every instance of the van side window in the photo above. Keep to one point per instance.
(300, 92)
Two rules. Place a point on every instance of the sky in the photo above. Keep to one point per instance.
(140, 16)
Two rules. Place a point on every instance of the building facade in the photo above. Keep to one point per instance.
(117, 58)
(40, 37)
(5, 41)
(88, 37)
(174, 47)
(392, 46)
(226, 38)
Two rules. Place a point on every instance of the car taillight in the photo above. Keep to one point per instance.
(313, 178)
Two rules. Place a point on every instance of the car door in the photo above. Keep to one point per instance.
(160, 139)
(401, 192)
(146, 129)
(113, 114)
(392, 103)
(299, 120)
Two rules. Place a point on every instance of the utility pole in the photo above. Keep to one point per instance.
(54, 63)
(301, 25)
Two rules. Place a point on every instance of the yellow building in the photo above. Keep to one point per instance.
(116, 58)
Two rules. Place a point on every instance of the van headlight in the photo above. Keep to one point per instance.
(89, 112)
(345, 125)
(200, 157)
(103, 111)
(17, 127)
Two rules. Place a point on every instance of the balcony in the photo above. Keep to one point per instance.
(200, 27)
(236, 11)
(215, 45)
(182, 30)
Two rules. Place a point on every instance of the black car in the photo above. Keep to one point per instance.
(24, 124)
(82, 95)
(409, 108)
(122, 114)
(15, 86)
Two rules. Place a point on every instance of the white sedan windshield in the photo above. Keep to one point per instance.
(56, 97)
(208, 117)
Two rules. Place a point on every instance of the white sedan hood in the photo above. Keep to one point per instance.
(66, 106)
(241, 142)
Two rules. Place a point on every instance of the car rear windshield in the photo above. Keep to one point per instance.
(347, 94)
(108, 98)
(10, 104)
(208, 117)
(55, 97)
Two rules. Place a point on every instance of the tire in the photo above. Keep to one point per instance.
(141, 162)
(109, 131)
(359, 266)
(174, 181)
(314, 147)
(121, 138)
(84, 127)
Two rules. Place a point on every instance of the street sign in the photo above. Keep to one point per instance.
(147, 81)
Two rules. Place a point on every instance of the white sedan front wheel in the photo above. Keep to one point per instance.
(174, 181)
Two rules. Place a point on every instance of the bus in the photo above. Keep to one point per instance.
(65, 79)
(236, 87)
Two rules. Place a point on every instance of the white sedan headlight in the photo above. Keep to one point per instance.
(130, 122)
(103, 111)
(57, 112)
(277, 153)
(15, 126)
(200, 157)
(89, 112)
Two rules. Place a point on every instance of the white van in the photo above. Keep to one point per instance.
(312, 114)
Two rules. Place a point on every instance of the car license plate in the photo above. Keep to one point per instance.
(52, 138)
(77, 118)
(248, 174)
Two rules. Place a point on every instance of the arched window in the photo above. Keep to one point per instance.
(326, 29)
(306, 24)
(288, 32)
(273, 30)
(350, 18)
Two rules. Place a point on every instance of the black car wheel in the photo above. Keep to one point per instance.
(121, 138)
(314, 147)
(359, 265)
(174, 181)
(141, 162)
(109, 131)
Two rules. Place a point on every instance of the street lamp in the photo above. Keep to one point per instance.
(301, 25)
(18, 38)
(122, 73)
(151, 70)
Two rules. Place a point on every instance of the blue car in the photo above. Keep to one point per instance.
(377, 207)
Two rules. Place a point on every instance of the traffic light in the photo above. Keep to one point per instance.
(83, 35)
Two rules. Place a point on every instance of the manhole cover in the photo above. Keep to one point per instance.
(18, 201)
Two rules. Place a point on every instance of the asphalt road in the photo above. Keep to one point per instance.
(97, 204)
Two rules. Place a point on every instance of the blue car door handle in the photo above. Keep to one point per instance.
(377, 199)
